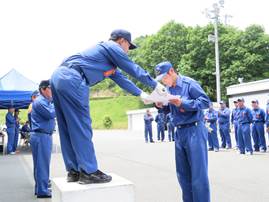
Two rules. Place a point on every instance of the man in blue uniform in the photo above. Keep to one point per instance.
(244, 121)
(258, 121)
(160, 120)
(43, 123)
(224, 125)
(70, 88)
(191, 135)
(211, 117)
(148, 118)
(267, 118)
(234, 121)
(17, 129)
(10, 124)
(171, 127)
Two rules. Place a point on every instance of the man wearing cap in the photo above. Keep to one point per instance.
(191, 134)
(148, 118)
(160, 120)
(70, 88)
(234, 121)
(211, 116)
(267, 118)
(171, 127)
(244, 121)
(258, 121)
(10, 124)
(224, 125)
(43, 123)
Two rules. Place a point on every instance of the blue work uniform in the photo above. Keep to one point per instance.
(70, 90)
(224, 127)
(160, 120)
(148, 118)
(17, 131)
(258, 129)
(43, 123)
(10, 124)
(244, 121)
(267, 119)
(191, 140)
(171, 127)
(234, 121)
(212, 117)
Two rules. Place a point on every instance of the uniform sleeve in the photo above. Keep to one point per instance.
(199, 100)
(121, 60)
(46, 111)
(263, 115)
(250, 117)
(125, 83)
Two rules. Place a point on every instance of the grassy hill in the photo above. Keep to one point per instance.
(113, 107)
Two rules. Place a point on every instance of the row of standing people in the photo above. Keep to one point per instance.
(247, 123)
(14, 128)
(163, 121)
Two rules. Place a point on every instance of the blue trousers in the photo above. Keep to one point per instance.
(258, 136)
(224, 130)
(16, 138)
(244, 138)
(192, 163)
(160, 132)
(213, 141)
(41, 145)
(71, 101)
(236, 133)
(171, 132)
(10, 141)
(148, 133)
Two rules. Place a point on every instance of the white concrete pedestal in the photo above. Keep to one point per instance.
(118, 190)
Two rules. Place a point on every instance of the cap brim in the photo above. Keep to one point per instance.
(160, 77)
(132, 46)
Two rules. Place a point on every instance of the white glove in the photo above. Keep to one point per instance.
(143, 97)
(161, 90)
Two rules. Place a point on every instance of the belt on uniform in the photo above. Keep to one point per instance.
(258, 121)
(188, 125)
(77, 68)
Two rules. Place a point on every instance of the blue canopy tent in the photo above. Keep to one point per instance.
(16, 90)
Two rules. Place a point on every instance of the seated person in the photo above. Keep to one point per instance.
(25, 130)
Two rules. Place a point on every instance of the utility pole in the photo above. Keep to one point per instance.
(214, 15)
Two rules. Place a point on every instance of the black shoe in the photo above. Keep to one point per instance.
(96, 177)
(72, 176)
(43, 196)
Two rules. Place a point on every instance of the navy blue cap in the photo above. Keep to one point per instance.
(255, 101)
(121, 33)
(161, 69)
(44, 84)
(35, 93)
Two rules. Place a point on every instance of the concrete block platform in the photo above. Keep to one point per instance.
(118, 190)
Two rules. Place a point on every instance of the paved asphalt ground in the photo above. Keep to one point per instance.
(151, 167)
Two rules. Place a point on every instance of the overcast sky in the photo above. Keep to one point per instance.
(36, 35)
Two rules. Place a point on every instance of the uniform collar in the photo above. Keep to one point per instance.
(179, 81)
